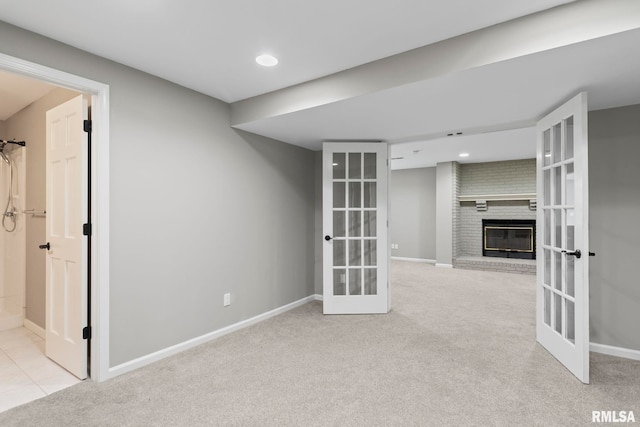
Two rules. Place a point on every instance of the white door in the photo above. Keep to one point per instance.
(66, 290)
(562, 316)
(355, 253)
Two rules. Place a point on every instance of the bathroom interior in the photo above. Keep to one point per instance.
(24, 102)
(25, 371)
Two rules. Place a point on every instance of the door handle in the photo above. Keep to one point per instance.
(575, 253)
(592, 254)
(327, 237)
(47, 246)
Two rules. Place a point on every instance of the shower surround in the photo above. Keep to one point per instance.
(13, 245)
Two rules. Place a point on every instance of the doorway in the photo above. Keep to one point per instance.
(29, 369)
(99, 163)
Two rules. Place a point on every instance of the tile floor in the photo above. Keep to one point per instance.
(26, 374)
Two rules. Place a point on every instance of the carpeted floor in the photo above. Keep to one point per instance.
(457, 349)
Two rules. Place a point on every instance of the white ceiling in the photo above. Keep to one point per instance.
(210, 47)
(504, 95)
(485, 147)
(16, 92)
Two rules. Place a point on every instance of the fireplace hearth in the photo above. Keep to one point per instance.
(509, 238)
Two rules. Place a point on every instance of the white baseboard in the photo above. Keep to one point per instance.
(318, 297)
(615, 351)
(34, 328)
(178, 348)
(444, 265)
(428, 261)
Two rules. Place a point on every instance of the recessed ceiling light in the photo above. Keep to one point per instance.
(463, 155)
(267, 60)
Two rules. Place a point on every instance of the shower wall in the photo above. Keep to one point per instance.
(12, 244)
(29, 124)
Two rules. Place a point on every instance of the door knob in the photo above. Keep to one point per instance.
(575, 253)
(47, 246)
(327, 237)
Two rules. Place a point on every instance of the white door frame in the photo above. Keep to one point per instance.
(99, 93)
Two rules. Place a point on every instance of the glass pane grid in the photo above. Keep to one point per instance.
(355, 208)
(558, 229)
(559, 301)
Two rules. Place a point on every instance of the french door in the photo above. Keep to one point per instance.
(355, 252)
(562, 315)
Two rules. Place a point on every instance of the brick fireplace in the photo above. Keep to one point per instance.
(501, 194)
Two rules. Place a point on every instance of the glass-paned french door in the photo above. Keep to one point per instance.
(562, 323)
(355, 253)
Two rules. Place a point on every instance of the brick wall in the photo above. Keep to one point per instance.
(515, 176)
(508, 177)
(455, 248)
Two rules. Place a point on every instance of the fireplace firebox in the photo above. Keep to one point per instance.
(509, 238)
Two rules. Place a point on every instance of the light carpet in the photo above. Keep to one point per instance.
(458, 348)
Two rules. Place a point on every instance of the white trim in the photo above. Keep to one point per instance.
(28, 324)
(428, 261)
(100, 190)
(439, 264)
(497, 197)
(627, 353)
(318, 297)
(178, 348)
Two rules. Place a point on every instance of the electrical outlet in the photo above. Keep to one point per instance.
(227, 299)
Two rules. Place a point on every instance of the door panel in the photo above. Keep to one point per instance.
(355, 255)
(562, 324)
(66, 290)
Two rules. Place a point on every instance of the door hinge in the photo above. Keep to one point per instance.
(86, 229)
(87, 126)
(86, 333)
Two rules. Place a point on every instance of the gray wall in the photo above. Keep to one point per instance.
(446, 199)
(197, 209)
(29, 124)
(505, 177)
(614, 204)
(413, 213)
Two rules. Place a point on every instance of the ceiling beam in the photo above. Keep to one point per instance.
(553, 28)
